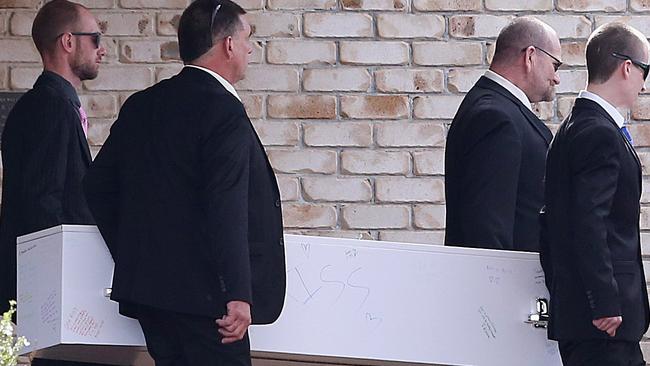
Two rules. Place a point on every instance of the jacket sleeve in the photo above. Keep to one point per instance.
(225, 164)
(45, 167)
(595, 165)
(492, 164)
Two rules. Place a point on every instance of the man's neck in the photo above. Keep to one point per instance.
(607, 92)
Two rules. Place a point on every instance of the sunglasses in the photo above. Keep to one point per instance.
(641, 65)
(556, 62)
(96, 36)
(214, 15)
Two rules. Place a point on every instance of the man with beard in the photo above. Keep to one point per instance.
(496, 146)
(45, 154)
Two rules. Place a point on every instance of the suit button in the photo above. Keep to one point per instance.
(281, 241)
(277, 203)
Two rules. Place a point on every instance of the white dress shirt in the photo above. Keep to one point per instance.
(512, 88)
(220, 79)
(610, 109)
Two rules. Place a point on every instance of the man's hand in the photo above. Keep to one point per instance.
(233, 326)
(608, 325)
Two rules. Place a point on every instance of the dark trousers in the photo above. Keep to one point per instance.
(601, 352)
(175, 339)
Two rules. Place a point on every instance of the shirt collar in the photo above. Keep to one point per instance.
(60, 83)
(610, 109)
(220, 79)
(512, 88)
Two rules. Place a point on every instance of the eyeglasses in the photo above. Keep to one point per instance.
(641, 65)
(96, 36)
(214, 15)
(556, 64)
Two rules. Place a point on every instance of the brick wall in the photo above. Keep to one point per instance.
(352, 98)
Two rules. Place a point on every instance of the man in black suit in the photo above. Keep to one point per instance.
(44, 149)
(187, 202)
(496, 146)
(591, 250)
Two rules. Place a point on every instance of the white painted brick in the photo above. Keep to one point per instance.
(436, 107)
(510, 5)
(544, 110)
(121, 78)
(126, 24)
(374, 162)
(140, 51)
(337, 25)
(429, 216)
(418, 237)
(397, 5)
(591, 5)
(571, 81)
(640, 5)
(97, 4)
(167, 23)
(402, 189)
(303, 161)
(409, 80)
(410, 26)
(379, 53)
(564, 105)
(357, 134)
(568, 26)
(167, 71)
(335, 189)
(461, 80)
(302, 106)
(374, 106)
(274, 24)
(302, 4)
(573, 53)
(301, 52)
(337, 79)
(20, 23)
(429, 162)
(154, 4)
(300, 215)
(99, 105)
(270, 78)
(477, 26)
(447, 5)
(375, 217)
(4, 77)
(23, 77)
(289, 187)
(415, 134)
(641, 23)
(18, 50)
(277, 133)
(447, 53)
(98, 130)
(254, 104)
(251, 4)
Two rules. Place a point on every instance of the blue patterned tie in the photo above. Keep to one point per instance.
(626, 133)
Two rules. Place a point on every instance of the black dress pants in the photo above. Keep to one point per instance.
(601, 352)
(176, 339)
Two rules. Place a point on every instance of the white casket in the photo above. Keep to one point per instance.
(348, 301)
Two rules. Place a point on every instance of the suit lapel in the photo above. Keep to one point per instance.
(533, 120)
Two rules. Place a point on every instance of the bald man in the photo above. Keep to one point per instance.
(496, 146)
(44, 149)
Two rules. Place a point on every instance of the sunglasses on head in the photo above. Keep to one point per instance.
(96, 36)
(641, 65)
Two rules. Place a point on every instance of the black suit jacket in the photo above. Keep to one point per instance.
(591, 250)
(494, 169)
(188, 204)
(44, 156)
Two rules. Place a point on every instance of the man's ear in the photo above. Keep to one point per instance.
(229, 46)
(66, 42)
